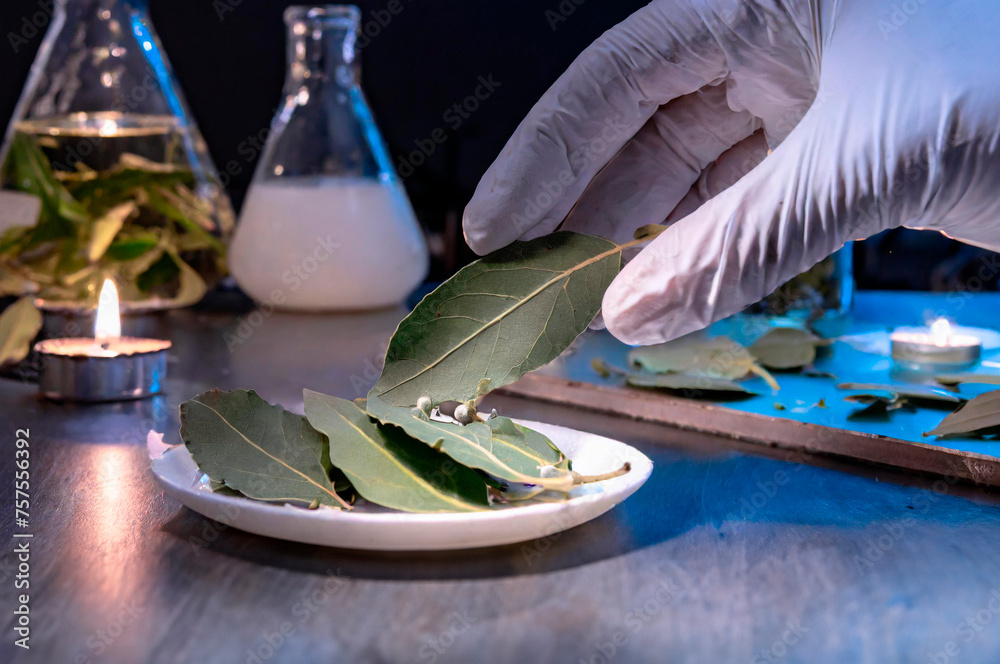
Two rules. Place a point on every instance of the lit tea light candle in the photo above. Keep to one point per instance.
(108, 367)
(937, 345)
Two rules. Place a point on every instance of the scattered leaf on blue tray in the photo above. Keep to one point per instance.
(690, 386)
(694, 355)
(968, 378)
(876, 409)
(785, 348)
(913, 393)
(813, 373)
(977, 417)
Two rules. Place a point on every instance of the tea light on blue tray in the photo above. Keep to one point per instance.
(936, 347)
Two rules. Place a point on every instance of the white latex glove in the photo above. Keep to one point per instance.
(881, 113)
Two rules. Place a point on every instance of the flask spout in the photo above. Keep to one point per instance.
(322, 45)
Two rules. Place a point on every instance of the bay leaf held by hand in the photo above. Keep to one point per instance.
(716, 357)
(387, 467)
(260, 450)
(19, 325)
(980, 416)
(498, 448)
(498, 318)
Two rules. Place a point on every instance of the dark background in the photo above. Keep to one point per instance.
(229, 58)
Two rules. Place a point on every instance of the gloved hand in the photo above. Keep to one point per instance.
(881, 113)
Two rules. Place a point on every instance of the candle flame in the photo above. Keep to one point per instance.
(109, 323)
(941, 332)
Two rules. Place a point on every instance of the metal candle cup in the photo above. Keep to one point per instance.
(82, 369)
(108, 367)
(937, 347)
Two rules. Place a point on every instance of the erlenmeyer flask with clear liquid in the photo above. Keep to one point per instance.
(326, 224)
(104, 174)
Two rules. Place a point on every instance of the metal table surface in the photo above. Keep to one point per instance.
(722, 556)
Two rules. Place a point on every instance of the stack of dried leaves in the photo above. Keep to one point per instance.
(709, 367)
(496, 319)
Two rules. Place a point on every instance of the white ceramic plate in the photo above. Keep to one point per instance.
(376, 528)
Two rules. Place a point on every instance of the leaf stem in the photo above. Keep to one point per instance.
(586, 479)
(766, 375)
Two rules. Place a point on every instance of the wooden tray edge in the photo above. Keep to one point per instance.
(758, 429)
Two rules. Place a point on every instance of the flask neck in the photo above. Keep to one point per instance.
(321, 47)
(100, 10)
(324, 127)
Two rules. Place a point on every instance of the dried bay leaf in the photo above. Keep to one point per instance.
(163, 271)
(191, 287)
(104, 229)
(31, 172)
(880, 400)
(813, 373)
(689, 386)
(601, 367)
(19, 325)
(716, 357)
(785, 348)
(968, 378)
(926, 394)
(978, 417)
(387, 467)
(876, 409)
(132, 246)
(498, 318)
(166, 203)
(499, 447)
(692, 387)
(649, 232)
(121, 183)
(261, 450)
(531, 442)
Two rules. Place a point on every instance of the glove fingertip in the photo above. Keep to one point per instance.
(478, 234)
(619, 315)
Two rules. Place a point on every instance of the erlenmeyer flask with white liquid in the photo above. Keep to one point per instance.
(326, 224)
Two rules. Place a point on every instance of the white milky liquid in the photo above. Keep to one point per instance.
(328, 243)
